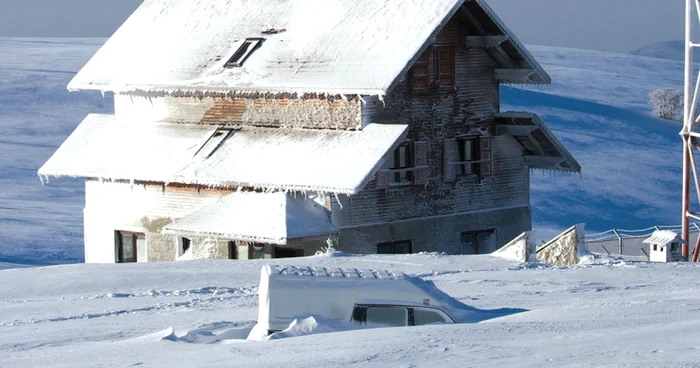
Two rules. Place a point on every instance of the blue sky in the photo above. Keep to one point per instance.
(609, 25)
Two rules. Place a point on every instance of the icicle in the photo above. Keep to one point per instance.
(362, 99)
(338, 200)
(344, 97)
(381, 98)
(103, 93)
(41, 179)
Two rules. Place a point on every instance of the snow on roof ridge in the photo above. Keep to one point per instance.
(340, 272)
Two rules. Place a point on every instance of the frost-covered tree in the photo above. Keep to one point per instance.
(667, 103)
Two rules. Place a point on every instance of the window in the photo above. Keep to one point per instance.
(397, 247)
(445, 67)
(382, 315)
(127, 245)
(428, 316)
(466, 156)
(468, 152)
(213, 143)
(386, 316)
(476, 242)
(443, 70)
(246, 48)
(184, 244)
(284, 252)
(402, 159)
(246, 250)
(420, 74)
(408, 165)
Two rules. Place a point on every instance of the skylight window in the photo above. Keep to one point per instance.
(246, 48)
(213, 143)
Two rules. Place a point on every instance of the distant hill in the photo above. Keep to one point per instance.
(672, 50)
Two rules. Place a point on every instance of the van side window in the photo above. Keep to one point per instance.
(424, 316)
(387, 316)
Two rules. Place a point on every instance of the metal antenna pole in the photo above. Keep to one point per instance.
(687, 125)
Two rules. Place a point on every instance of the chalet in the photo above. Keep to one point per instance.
(251, 129)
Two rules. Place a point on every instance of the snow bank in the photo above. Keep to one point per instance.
(308, 326)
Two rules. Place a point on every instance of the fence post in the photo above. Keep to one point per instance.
(619, 241)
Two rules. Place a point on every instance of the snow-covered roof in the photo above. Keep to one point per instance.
(662, 237)
(542, 148)
(272, 158)
(257, 217)
(352, 273)
(312, 46)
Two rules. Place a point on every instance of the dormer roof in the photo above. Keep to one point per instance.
(311, 46)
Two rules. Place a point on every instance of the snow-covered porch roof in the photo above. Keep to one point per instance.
(541, 147)
(254, 217)
(272, 158)
(312, 46)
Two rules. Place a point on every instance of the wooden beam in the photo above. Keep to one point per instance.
(515, 129)
(520, 75)
(484, 42)
(543, 162)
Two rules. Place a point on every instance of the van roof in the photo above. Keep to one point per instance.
(348, 273)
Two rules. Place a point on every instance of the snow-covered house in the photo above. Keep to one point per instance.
(246, 129)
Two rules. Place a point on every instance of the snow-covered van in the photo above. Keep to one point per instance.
(354, 297)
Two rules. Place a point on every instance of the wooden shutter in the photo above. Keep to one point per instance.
(445, 70)
(451, 154)
(420, 158)
(382, 179)
(420, 74)
(486, 154)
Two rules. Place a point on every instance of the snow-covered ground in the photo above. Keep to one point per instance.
(598, 107)
(187, 314)
(613, 313)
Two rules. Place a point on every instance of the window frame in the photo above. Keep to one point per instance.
(119, 245)
(183, 245)
(474, 161)
(359, 312)
(475, 236)
(249, 249)
(394, 244)
(423, 61)
(414, 172)
(247, 47)
(442, 65)
(214, 142)
(402, 174)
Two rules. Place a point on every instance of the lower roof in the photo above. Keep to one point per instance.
(331, 161)
(542, 149)
(270, 218)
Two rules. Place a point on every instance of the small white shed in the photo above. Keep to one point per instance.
(664, 246)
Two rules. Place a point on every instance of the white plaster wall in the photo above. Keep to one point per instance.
(166, 108)
(120, 206)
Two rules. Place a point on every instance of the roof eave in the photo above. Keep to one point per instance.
(542, 77)
(546, 162)
(145, 88)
